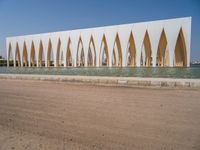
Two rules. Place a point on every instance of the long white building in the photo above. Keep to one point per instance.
(154, 43)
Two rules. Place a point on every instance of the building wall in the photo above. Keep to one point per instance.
(155, 43)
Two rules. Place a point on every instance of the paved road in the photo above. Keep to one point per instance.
(50, 115)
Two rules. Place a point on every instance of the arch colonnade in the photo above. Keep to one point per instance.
(162, 43)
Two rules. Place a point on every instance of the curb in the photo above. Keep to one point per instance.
(110, 81)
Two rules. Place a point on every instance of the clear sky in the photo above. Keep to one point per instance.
(19, 17)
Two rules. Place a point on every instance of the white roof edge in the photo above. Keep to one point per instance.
(92, 28)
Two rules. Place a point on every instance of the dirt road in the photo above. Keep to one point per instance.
(57, 116)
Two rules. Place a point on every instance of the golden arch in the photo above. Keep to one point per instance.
(104, 54)
(41, 61)
(17, 56)
(10, 55)
(61, 60)
(131, 54)
(68, 54)
(58, 54)
(32, 55)
(25, 55)
(146, 59)
(117, 52)
(180, 51)
(80, 54)
(50, 55)
(163, 51)
(91, 53)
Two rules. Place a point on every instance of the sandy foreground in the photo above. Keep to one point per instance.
(47, 115)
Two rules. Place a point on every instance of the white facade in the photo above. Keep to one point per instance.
(154, 43)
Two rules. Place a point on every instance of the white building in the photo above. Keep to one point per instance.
(154, 43)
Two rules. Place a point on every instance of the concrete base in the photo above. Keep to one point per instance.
(111, 81)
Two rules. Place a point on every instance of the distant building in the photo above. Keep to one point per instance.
(154, 43)
(3, 61)
(195, 62)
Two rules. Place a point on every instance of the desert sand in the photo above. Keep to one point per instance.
(44, 115)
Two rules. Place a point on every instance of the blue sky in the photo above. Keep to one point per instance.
(19, 17)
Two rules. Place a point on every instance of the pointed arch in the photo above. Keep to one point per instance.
(143, 56)
(58, 54)
(162, 52)
(180, 51)
(17, 56)
(91, 53)
(147, 50)
(25, 55)
(117, 52)
(68, 54)
(131, 54)
(41, 60)
(114, 58)
(50, 55)
(61, 61)
(90, 57)
(10, 55)
(80, 54)
(104, 54)
(32, 55)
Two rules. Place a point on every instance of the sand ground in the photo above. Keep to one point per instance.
(42, 115)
